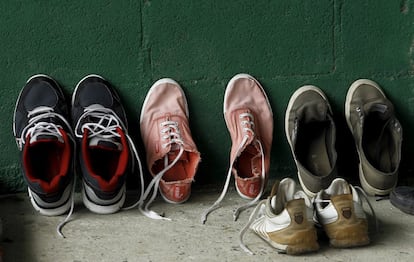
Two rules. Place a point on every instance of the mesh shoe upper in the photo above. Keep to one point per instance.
(100, 128)
(170, 149)
(45, 138)
(311, 134)
(377, 134)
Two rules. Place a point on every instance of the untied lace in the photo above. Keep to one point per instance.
(41, 128)
(242, 232)
(374, 216)
(247, 127)
(170, 135)
(105, 127)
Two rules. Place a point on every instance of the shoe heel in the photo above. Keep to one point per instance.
(352, 235)
(303, 241)
(100, 206)
(294, 241)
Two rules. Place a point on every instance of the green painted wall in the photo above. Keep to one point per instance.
(202, 44)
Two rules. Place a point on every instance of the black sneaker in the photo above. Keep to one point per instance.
(44, 137)
(103, 144)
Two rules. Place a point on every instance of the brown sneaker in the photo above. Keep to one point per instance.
(339, 211)
(249, 119)
(172, 155)
(284, 220)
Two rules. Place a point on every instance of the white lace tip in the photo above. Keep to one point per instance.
(246, 249)
(153, 215)
(59, 231)
(236, 215)
(203, 219)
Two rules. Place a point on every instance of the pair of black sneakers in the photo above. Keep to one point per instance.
(53, 148)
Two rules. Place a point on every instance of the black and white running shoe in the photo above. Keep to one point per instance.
(100, 127)
(44, 137)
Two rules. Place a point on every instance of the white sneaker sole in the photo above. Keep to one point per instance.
(50, 209)
(104, 207)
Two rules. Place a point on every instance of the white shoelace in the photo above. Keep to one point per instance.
(247, 127)
(374, 216)
(242, 232)
(72, 206)
(35, 127)
(170, 135)
(105, 126)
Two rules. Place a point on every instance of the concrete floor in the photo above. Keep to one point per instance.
(129, 236)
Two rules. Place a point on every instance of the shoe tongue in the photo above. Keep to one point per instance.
(173, 153)
(105, 143)
(45, 138)
(383, 110)
(313, 112)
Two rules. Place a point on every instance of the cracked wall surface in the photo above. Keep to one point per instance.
(202, 44)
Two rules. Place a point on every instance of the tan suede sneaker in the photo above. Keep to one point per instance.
(172, 155)
(249, 119)
(339, 211)
(284, 220)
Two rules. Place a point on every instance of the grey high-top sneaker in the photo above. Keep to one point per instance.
(378, 136)
(311, 133)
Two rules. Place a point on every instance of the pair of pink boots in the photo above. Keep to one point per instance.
(173, 155)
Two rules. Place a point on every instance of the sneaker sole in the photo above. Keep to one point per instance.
(370, 189)
(292, 100)
(350, 236)
(154, 86)
(349, 95)
(307, 242)
(400, 204)
(106, 206)
(173, 202)
(57, 208)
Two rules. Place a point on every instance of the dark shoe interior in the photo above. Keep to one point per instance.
(104, 162)
(45, 160)
(312, 148)
(244, 163)
(378, 143)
